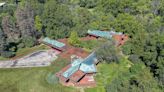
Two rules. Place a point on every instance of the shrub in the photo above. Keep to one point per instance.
(108, 52)
(74, 39)
(29, 41)
(7, 54)
(52, 79)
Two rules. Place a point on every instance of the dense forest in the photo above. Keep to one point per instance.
(24, 22)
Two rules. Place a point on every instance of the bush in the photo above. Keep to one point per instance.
(29, 41)
(7, 54)
(21, 45)
(91, 44)
(134, 58)
(52, 79)
(108, 52)
(74, 39)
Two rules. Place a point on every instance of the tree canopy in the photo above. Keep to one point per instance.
(24, 22)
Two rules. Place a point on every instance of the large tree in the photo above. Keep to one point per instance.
(57, 19)
(108, 53)
(25, 23)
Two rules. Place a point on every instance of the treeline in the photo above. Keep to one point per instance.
(24, 23)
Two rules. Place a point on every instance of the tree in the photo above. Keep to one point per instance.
(108, 53)
(25, 21)
(9, 28)
(88, 3)
(82, 21)
(116, 6)
(128, 24)
(74, 39)
(2, 41)
(38, 23)
(7, 54)
(57, 24)
(138, 79)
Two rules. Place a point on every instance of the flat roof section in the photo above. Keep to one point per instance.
(77, 76)
(104, 34)
(54, 43)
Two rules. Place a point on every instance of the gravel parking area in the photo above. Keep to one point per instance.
(36, 59)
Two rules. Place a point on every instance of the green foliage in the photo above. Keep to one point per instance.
(128, 24)
(137, 80)
(57, 24)
(82, 21)
(108, 52)
(2, 41)
(88, 3)
(141, 20)
(90, 44)
(74, 39)
(7, 54)
(52, 79)
(107, 73)
(38, 23)
(29, 41)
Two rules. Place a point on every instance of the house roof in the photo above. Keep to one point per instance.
(104, 34)
(77, 76)
(70, 71)
(74, 67)
(54, 43)
(121, 39)
(88, 65)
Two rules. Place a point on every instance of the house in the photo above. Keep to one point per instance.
(118, 36)
(80, 72)
(103, 34)
(56, 45)
(120, 39)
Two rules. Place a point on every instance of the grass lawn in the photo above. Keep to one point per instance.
(32, 79)
(108, 72)
(2, 58)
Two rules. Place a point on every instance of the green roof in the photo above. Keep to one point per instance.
(54, 43)
(104, 34)
(86, 65)
(74, 67)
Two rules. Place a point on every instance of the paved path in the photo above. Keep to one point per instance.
(36, 59)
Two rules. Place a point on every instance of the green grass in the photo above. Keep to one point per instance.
(107, 73)
(2, 58)
(32, 79)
